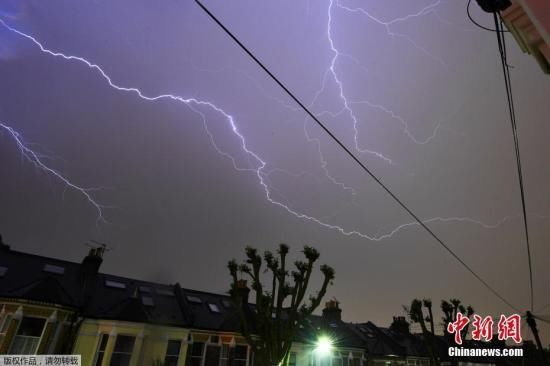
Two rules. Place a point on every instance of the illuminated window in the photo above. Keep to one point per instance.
(172, 353)
(122, 353)
(28, 336)
(100, 353)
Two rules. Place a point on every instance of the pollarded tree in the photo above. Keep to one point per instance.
(450, 310)
(280, 308)
(416, 315)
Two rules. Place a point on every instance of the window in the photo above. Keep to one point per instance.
(165, 292)
(122, 353)
(144, 289)
(53, 269)
(292, 359)
(212, 356)
(226, 303)
(172, 353)
(324, 361)
(194, 299)
(100, 353)
(115, 284)
(3, 271)
(355, 361)
(194, 357)
(240, 355)
(224, 358)
(5, 323)
(214, 308)
(28, 336)
(147, 301)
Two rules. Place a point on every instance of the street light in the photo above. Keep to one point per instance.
(324, 346)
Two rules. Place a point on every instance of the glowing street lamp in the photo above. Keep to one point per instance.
(324, 346)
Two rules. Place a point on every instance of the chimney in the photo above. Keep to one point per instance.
(242, 291)
(3, 246)
(88, 273)
(332, 311)
(91, 263)
(400, 325)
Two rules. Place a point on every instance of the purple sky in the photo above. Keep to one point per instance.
(411, 86)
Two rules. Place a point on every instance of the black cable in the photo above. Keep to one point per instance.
(511, 109)
(538, 317)
(349, 153)
(479, 25)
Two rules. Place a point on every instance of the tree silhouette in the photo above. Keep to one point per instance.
(416, 314)
(450, 310)
(270, 325)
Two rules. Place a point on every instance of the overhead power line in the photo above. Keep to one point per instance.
(350, 154)
(512, 112)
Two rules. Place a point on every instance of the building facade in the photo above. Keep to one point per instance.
(52, 306)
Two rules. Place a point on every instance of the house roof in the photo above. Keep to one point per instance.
(54, 281)
(379, 343)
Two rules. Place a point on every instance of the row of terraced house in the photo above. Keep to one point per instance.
(53, 306)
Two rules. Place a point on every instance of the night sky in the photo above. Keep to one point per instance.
(413, 87)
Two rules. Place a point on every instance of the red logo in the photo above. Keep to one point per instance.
(507, 327)
(457, 326)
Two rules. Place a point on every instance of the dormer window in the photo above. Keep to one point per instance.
(51, 268)
(164, 292)
(115, 284)
(194, 299)
(147, 301)
(214, 308)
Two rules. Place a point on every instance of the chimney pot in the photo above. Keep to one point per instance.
(332, 311)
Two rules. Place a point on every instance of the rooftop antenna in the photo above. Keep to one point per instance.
(94, 244)
(97, 248)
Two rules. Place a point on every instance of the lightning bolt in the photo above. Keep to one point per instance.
(347, 103)
(256, 164)
(35, 159)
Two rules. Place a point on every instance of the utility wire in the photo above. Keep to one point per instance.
(350, 154)
(541, 319)
(544, 307)
(479, 25)
(511, 110)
